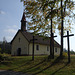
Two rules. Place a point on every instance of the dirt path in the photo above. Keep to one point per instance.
(4, 72)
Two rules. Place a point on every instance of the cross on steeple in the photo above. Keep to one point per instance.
(23, 22)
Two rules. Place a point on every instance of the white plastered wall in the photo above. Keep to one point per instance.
(23, 44)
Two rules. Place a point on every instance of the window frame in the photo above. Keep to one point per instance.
(37, 47)
(56, 50)
(47, 48)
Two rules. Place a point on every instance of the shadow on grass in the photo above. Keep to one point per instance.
(21, 65)
(5, 62)
(58, 59)
(34, 66)
(29, 69)
(28, 62)
(59, 69)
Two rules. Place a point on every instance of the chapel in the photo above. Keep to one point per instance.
(23, 45)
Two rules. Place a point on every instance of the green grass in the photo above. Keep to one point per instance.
(40, 66)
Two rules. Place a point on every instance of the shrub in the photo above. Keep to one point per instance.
(64, 54)
(1, 58)
(6, 56)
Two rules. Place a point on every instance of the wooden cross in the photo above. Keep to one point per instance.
(68, 44)
(33, 47)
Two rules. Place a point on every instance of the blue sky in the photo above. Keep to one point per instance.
(10, 16)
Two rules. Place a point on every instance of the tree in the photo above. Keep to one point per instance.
(4, 42)
(0, 50)
(39, 12)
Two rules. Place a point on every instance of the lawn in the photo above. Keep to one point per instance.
(40, 66)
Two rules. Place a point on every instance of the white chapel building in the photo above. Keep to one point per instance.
(22, 44)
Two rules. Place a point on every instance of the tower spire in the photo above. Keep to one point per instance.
(23, 22)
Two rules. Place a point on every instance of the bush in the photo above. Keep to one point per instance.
(4, 56)
(1, 58)
(64, 54)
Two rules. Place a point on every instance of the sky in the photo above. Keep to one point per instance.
(11, 12)
(10, 16)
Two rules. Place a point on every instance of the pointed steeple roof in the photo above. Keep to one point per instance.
(23, 22)
(23, 17)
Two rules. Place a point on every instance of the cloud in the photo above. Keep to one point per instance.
(13, 26)
(2, 12)
(9, 38)
(11, 30)
(10, 34)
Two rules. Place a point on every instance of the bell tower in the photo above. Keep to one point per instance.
(23, 22)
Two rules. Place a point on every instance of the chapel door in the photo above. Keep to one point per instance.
(19, 51)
